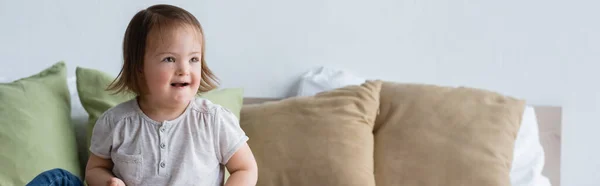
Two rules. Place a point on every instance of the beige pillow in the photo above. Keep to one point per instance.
(324, 139)
(431, 135)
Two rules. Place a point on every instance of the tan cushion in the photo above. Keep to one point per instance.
(324, 139)
(431, 135)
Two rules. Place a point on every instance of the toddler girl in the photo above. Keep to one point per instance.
(166, 135)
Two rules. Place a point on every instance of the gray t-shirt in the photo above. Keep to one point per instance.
(189, 150)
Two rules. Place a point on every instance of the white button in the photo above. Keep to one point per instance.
(162, 145)
(162, 164)
(162, 129)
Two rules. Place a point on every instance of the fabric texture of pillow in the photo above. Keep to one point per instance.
(91, 85)
(324, 139)
(36, 134)
(528, 157)
(434, 135)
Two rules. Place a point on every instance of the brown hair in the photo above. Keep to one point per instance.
(134, 47)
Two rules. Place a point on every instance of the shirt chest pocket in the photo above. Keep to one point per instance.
(128, 168)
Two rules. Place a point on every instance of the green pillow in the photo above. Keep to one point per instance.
(36, 134)
(91, 86)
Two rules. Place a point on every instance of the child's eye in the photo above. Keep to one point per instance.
(194, 59)
(168, 59)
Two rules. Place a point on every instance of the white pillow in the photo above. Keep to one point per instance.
(325, 78)
(528, 156)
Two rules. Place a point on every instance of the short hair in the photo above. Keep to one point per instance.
(134, 47)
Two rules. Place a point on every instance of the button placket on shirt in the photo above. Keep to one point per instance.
(162, 146)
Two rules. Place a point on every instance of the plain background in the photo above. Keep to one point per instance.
(544, 51)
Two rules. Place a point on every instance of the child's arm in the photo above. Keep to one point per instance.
(242, 167)
(97, 172)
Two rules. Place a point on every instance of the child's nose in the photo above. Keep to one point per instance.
(183, 69)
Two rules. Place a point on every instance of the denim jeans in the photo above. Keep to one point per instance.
(55, 177)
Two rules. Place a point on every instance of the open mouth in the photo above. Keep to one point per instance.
(180, 84)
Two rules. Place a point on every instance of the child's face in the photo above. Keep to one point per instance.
(172, 67)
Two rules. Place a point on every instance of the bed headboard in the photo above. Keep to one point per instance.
(549, 121)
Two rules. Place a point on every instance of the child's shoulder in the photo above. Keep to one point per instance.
(121, 110)
(203, 105)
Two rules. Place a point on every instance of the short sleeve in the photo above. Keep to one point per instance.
(229, 136)
(101, 142)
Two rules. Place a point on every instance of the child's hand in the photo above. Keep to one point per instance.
(115, 182)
